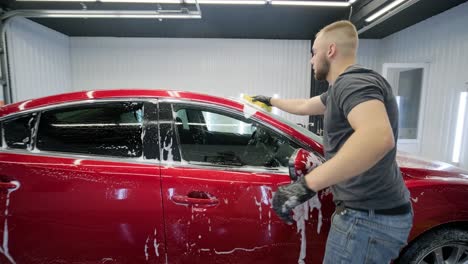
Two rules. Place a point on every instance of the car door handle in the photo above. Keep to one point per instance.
(8, 185)
(195, 197)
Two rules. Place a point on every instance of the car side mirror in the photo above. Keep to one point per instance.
(301, 162)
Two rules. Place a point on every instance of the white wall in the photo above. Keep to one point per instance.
(369, 54)
(223, 67)
(39, 60)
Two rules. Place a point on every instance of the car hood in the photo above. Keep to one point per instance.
(419, 167)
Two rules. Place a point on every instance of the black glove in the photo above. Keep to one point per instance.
(289, 196)
(262, 98)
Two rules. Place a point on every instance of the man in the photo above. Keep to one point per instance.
(373, 214)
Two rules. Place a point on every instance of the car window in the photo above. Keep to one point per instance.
(214, 137)
(108, 129)
(18, 131)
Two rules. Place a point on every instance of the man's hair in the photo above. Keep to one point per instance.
(343, 33)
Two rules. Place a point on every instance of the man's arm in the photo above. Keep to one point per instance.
(371, 141)
(311, 106)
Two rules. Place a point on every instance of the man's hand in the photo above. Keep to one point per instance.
(289, 196)
(262, 98)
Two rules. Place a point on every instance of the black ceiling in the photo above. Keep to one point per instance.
(234, 21)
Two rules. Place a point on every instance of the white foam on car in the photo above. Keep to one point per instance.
(301, 215)
(4, 248)
(146, 249)
(249, 111)
(265, 199)
(155, 245)
(238, 249)
(167, 147)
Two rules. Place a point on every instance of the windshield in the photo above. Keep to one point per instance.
(299, 128)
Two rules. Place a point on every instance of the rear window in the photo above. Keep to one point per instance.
(18, 131)
(110, 129)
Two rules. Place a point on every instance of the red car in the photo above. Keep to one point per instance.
(137, 176)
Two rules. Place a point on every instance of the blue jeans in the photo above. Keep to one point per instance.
(360, 237)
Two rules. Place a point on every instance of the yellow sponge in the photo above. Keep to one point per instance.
(257, 103)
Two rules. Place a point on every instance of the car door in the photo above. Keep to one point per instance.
(81, 185)
(217, 190)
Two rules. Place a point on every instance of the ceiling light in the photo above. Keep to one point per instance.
(110, 1)
(216, 2)
(55, 0)
(161, 16)
(169, 14)
(143, 1)
(384, 10)
(311, 3)
(459, 131)
(228, 2)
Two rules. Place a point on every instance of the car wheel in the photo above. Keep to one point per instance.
(444, 246)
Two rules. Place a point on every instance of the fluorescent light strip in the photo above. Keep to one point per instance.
(109, 1)
(162, 16)
(384, 10)
(311, 3)
(55, 0)
(215, 2)
(108, 14)
(143, 1)
(460, 125)
(221, 2)
(228, 2)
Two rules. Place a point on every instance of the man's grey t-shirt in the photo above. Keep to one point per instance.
(382, 186)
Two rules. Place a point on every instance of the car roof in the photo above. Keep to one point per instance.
(113, 94)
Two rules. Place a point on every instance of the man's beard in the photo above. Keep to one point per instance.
(322, 72)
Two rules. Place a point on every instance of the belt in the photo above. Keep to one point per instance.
(398, 210)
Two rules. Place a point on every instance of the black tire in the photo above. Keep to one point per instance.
(448, 243)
